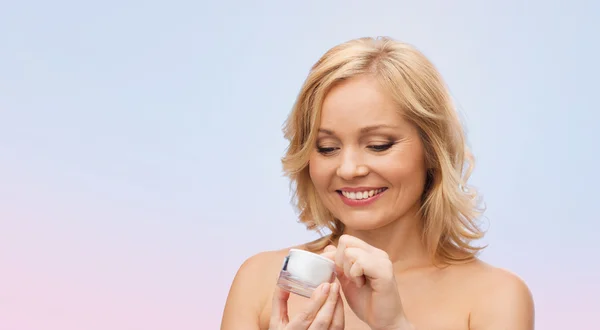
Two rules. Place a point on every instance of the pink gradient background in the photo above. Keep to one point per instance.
(140, 145)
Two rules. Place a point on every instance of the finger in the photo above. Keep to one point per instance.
(346, 264)
(325, 314)
(303, 319)
(351, 241)
(352, 268)
(339, 254)
(329, 248)
(368, 265)
(279, 309)
(338, 322)
(339, 259)
(329, 252)
(357, 274)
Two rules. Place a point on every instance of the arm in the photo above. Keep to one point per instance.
(247, 295)
(506, 303)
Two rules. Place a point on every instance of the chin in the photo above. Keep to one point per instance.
(366, 221)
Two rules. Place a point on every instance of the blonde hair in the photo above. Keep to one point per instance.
(449, 206)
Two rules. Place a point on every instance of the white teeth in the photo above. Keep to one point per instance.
(362, 194)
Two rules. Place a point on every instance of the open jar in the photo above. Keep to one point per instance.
(302, 272)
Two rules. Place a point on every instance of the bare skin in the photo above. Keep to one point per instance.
(472, 296)
(365, 145)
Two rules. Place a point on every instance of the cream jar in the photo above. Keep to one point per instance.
(302, 272)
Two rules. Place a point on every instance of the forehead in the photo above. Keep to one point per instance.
(358, 102)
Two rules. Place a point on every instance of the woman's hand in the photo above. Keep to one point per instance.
(324, 311)
(367, 279)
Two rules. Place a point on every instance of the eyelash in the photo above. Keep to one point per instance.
(376, 148)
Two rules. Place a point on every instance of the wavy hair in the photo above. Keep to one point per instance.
(449, 206)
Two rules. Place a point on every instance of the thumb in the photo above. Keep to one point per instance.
(279, 309)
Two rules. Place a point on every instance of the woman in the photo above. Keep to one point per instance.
(378, 157)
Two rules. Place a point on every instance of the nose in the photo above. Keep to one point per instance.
(351, 166)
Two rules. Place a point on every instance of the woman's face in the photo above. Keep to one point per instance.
(368, 164)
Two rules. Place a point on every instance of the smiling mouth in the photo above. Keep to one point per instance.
(360, 195)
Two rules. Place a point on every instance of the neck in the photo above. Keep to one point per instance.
(401, 240)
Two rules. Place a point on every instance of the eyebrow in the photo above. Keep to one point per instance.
(362, 130)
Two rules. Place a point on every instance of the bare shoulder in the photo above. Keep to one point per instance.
(502, 299)
(251, 289)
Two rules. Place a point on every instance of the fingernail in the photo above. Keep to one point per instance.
(325, 288)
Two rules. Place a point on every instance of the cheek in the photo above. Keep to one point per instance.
(316, 173)
(404, 171)
(321, 171)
